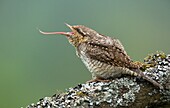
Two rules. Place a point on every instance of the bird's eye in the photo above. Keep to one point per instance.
(80, 31)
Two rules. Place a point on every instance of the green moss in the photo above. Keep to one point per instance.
(152, 59)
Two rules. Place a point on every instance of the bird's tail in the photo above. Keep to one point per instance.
(139, 73)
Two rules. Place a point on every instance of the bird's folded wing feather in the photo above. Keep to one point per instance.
(113, 54)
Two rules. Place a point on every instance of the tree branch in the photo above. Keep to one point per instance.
(123, 92)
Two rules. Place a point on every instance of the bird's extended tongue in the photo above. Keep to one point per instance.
(61, 33)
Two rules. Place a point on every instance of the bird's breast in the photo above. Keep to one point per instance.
(92, 65)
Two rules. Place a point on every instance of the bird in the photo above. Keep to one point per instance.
(104, 56)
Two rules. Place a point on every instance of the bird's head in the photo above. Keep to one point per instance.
(78, 34)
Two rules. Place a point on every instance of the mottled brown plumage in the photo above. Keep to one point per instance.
(104, 56)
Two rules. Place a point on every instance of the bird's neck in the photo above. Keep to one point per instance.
(77, 41)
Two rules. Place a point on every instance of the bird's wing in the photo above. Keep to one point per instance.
(113, 54)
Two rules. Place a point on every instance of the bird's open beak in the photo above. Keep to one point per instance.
(61, 33)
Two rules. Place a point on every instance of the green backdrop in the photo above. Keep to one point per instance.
(33, 65)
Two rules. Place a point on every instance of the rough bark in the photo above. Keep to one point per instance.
(123, 92)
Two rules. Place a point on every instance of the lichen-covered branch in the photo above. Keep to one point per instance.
(126, 91)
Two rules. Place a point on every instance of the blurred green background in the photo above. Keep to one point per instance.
(33, 65)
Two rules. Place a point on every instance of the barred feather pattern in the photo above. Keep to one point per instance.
(107, 60)
(102, 62)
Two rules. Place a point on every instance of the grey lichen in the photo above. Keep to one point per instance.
(119, 92)
(160, 71)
